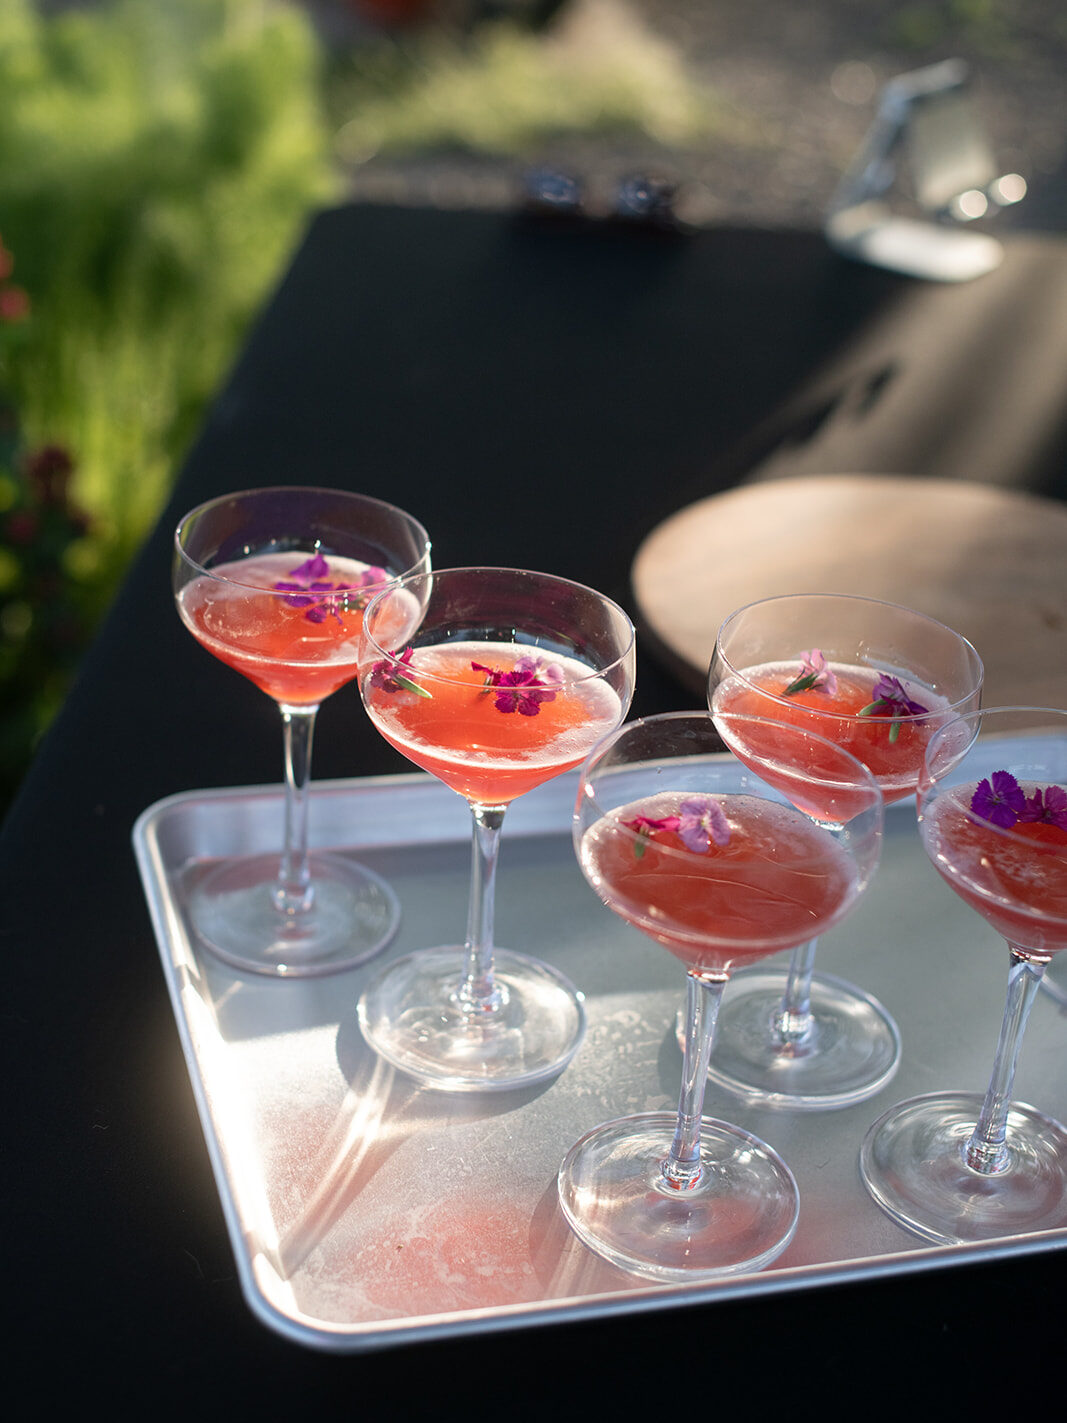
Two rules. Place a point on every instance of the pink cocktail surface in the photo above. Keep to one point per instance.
(238, 614)
(1015, 878)
(459, 733)
(778, 881)
(891, 748)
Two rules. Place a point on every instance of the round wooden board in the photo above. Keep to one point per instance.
(989, 562)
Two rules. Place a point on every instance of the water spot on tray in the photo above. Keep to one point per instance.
(441, 1257)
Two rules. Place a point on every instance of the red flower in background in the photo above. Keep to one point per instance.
(22, 527)
(49, 470)
(14, 304)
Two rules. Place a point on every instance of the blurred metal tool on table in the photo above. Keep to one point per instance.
(925, 171)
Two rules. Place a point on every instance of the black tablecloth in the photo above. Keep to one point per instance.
(540, 396)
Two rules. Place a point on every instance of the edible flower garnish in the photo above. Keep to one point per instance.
(1049, 807)
(891, 699)
(814, 675)
(700, 822)
(525, 687)
(388, 677)
(999, 799)
(1002, 801)
(309, 586)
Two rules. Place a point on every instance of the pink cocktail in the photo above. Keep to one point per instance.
(956, 1166)
(236, 613)
(775, 881)
(700, 854)
(494, 680)
(876, 680)
(458, 733)
(1015, 877)
(274, 582)
(891, 747)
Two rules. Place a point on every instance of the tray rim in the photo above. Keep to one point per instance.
(536, 818)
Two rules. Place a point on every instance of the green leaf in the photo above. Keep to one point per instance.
(410, 686)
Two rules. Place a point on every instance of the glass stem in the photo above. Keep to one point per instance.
(293, 893)
(682, 1169)
(793, 1021)
(479, 992)
(986, 1150)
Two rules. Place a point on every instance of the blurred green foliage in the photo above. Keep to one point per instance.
(158, 161)
(987, 26)
(157, 164)
(502, 89)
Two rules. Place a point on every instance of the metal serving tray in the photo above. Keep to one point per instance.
(366, 1211)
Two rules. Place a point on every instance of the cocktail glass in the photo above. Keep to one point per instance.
(992, 801)
(878, 680)
(700, 853)
(273, 582)
(494, 680)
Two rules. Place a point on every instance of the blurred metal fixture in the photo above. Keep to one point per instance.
(924, 171)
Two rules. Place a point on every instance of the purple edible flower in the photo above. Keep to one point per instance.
(701, 822)
(305, 586)
(1049, 806)
(891, 699)
(387, 676)
(814, 674)
(1000, 800)
(308, 587)
(524, 688)
(305, 574)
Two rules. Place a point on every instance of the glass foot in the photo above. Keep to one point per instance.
(412, 1015)
(739, 1217)
(353, 916)
(851, 1051)
(912, 1163)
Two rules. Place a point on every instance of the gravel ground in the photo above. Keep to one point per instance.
(798, 84)
(812, 73)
